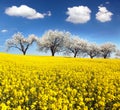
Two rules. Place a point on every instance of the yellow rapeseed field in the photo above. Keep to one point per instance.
(58, 83)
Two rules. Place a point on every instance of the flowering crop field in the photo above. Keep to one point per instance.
(58, 83)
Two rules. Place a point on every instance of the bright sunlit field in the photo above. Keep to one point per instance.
(58, 83)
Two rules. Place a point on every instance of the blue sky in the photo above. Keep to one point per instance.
(95, 20)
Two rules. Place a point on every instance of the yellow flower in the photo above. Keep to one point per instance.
(32, 82)
(3, 106)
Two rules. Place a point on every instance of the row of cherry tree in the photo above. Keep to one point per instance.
(61, 41)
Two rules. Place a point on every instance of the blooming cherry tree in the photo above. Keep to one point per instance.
(75, 45)
(18, 41)
(106, 49)
(92, 50)
(53, 41)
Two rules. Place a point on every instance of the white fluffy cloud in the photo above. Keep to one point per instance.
(25, 11)
(4, 30)
(78, 14)
(103, 14)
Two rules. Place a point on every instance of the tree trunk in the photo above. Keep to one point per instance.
(91, 57)
(52, 51)
(105, 56)
(24, 52)
(75, 54)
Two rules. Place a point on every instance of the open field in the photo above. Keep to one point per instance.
(58, 83)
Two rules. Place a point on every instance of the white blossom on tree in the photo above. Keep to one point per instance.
(92, 50)
(18, 41)
(76, 46)
(53, 41)
(106, 49)
(117, 53)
